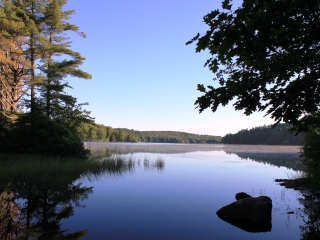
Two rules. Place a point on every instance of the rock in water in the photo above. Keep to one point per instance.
(242, 195)
(249, 213)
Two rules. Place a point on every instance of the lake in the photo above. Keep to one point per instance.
(170, 191)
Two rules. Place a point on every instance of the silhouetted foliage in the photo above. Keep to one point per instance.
(265, 56)
(45, 137)
(310, 150)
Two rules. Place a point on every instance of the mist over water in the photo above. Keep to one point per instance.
(183, 148)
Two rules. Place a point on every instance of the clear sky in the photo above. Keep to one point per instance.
(144, 77)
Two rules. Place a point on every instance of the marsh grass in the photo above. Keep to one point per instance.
(13, 166)
(45, 168)
(297, 175)
(119, 163)
(36, 167)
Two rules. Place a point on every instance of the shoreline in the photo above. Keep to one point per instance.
(299, 184)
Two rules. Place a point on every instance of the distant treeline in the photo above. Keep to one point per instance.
(266, 135)
(175, 137)
(101, 133)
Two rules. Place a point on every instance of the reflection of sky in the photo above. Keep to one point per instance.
(181, 201)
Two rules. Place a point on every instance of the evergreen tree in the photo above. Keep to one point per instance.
(31, 13)
(13, 64)
(54, 116)
(54, 99)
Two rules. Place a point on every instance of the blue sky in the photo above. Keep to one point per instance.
(144, 77)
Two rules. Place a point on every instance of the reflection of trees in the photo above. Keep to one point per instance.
(49, 205)
(36, 196)
(11, 220)
(124, 148)
(289, 160)
(311, 229)
(33, 208)
(287, 156)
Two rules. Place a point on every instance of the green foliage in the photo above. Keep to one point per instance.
(311, 151)
(93, 132)
(175, 137)
(44, 137)
(100, 133)
(265, 56)
(279, 135)
(38, 192)
(35, 58)
(5, 127)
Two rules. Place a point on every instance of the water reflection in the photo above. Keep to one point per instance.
(34, 205)
(311, 229)
(32, 208)
(286, 156)
(280, 156)
(289, 160)
(125, 148)
(33, 202)
(11, 220)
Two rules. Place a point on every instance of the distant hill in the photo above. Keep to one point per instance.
(265, 135)
(259, 135)
(171, 136)
(100, 133)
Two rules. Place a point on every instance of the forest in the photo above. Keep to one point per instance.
(266, 135)
(101, 133)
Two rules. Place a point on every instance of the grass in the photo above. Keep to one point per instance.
(297, 175)
(13, 166)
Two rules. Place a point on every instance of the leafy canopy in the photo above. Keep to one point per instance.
(266, 57)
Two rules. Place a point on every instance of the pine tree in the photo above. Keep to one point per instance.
(13, 64)
(54, 116)
(54, 99)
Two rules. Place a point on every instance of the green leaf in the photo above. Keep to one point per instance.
(193, 39)
(226, 4)
(201, 88)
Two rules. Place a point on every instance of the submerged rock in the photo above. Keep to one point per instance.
(248, 213)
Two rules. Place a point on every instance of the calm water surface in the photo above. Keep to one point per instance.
(163, 191)
(179, 199)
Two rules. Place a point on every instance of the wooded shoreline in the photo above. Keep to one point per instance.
(263, 135)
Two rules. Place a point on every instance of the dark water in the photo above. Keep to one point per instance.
(171, 191)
